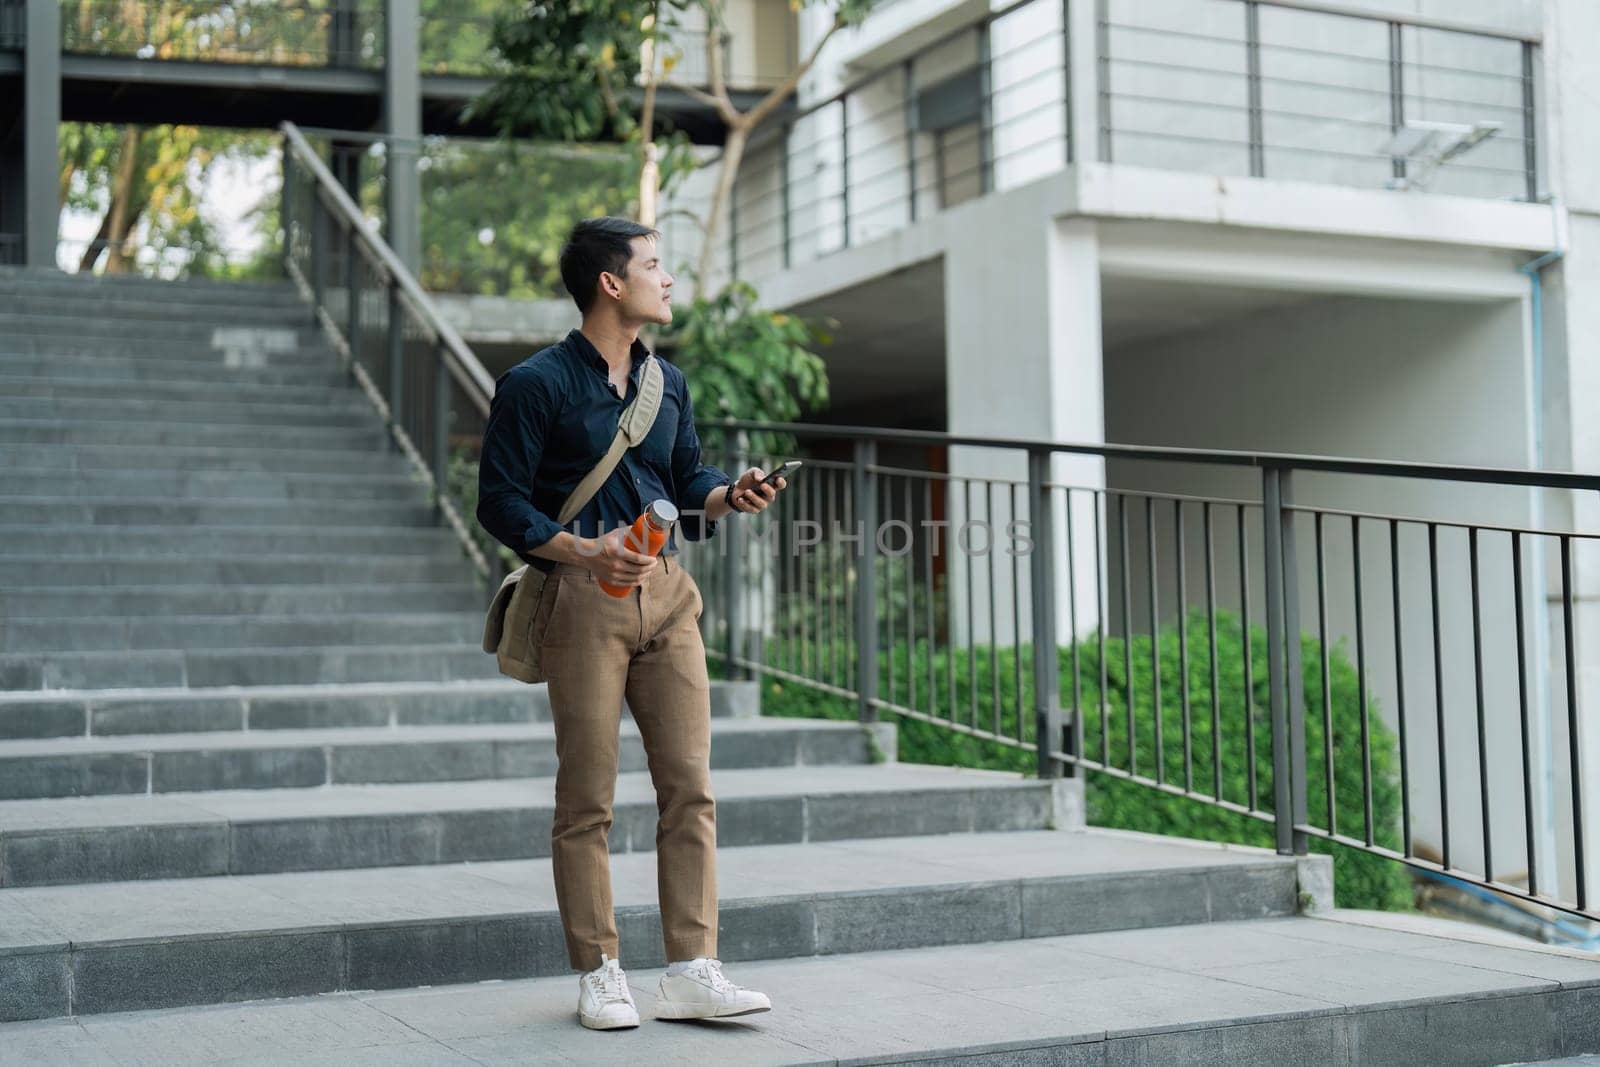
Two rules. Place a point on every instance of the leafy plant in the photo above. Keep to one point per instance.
(966, 679)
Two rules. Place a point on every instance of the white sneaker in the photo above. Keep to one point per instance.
(604, 1002)
(701, 991)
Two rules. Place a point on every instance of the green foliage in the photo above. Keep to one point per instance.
(965, 681)
(744, 361)
(158, 196)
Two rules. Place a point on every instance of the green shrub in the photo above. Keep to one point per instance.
(1361, 880)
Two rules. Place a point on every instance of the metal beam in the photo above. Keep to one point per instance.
(41, 123)
(402, 124)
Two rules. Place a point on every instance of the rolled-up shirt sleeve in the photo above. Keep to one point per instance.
(692, 480)
(519, 416)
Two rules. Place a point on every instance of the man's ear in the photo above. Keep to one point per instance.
(614, 289)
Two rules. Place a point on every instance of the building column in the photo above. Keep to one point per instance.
(1024, 361)
(41, 121)
(402, 126)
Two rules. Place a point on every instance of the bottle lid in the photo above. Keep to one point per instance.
(662, 512)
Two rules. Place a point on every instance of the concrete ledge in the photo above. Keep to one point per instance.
(1314, 884)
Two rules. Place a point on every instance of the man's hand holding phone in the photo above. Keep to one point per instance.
(756, 489)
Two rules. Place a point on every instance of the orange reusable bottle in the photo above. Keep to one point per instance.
(647, 535)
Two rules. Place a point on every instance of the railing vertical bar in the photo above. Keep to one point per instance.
(986, 111)
(1102, 25)
(1522, 716)
(1294, 670)
(1277, 675)
(1327, 688)
(1127, 632)
(844, 166)
(1400, 687)
(441, 424)
(1045, 741)
(911, 597)
(1574, 734)
(1361, 684)
(1183, 645)
(1530, 126)
(1155, 633)
(783, 190)
(1477, 677)
(1072, 618)
(994, 609)
(1249, 663)
(1397, 90)
(866, 619)
(1046, 660)
(912, 120)
(927, 580)
(886, 612)
(1258, 152)
(972, 640)
(1211, 620)
(1438, 696)
(1102, 599)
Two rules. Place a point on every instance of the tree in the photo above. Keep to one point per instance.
(146, 185)
(575, 71)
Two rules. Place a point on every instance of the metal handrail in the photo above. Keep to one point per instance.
(464, 365)
(1214, 457)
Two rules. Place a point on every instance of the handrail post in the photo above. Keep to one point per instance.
(1283, 663)
(396, 343)
(732, 574)
(319, 250)
(865, 489)
(286, 210)
(441, 425)
(1047, 715)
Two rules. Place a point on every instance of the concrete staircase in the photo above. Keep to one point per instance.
(249, 749)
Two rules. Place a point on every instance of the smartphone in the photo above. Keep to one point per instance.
(785, 470)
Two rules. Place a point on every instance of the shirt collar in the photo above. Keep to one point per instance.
(586, 349)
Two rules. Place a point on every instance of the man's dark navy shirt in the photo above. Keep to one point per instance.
(553, 417)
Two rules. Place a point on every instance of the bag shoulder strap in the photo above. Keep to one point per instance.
(632, 428)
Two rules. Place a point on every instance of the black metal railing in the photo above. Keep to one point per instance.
(1265, 634)
(1268, 88)
(411, 363)
(299, 33)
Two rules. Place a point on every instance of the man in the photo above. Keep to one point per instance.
(553, 417)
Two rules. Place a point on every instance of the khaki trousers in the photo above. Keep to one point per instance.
(597, 649)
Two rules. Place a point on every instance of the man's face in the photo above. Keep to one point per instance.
(646, 286)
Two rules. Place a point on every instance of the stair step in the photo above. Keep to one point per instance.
(157, 541)
(134, 307)
(66, 364)
(115, 570)
(290, 759)
(209, 485)
(28, 282)
(337, 392)
(14, 431)
(153, 601)
(94, 633)
(211, 515)
(1249, 993)
(287, 934)
(280, 460)
(203, 668)
(124, 838)
(279, 338)
(115, 713)
(339, 409)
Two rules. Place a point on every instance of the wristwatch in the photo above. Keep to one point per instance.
(728, 496)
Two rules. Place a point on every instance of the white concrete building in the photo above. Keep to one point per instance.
(1176, 223)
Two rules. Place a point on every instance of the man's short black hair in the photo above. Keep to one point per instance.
(597, 245)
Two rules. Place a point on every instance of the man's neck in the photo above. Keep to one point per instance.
(613, 340)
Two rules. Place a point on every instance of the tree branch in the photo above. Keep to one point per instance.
(725, 110)
(777, 96)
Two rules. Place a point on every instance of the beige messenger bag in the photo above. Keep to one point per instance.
(508, 628)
